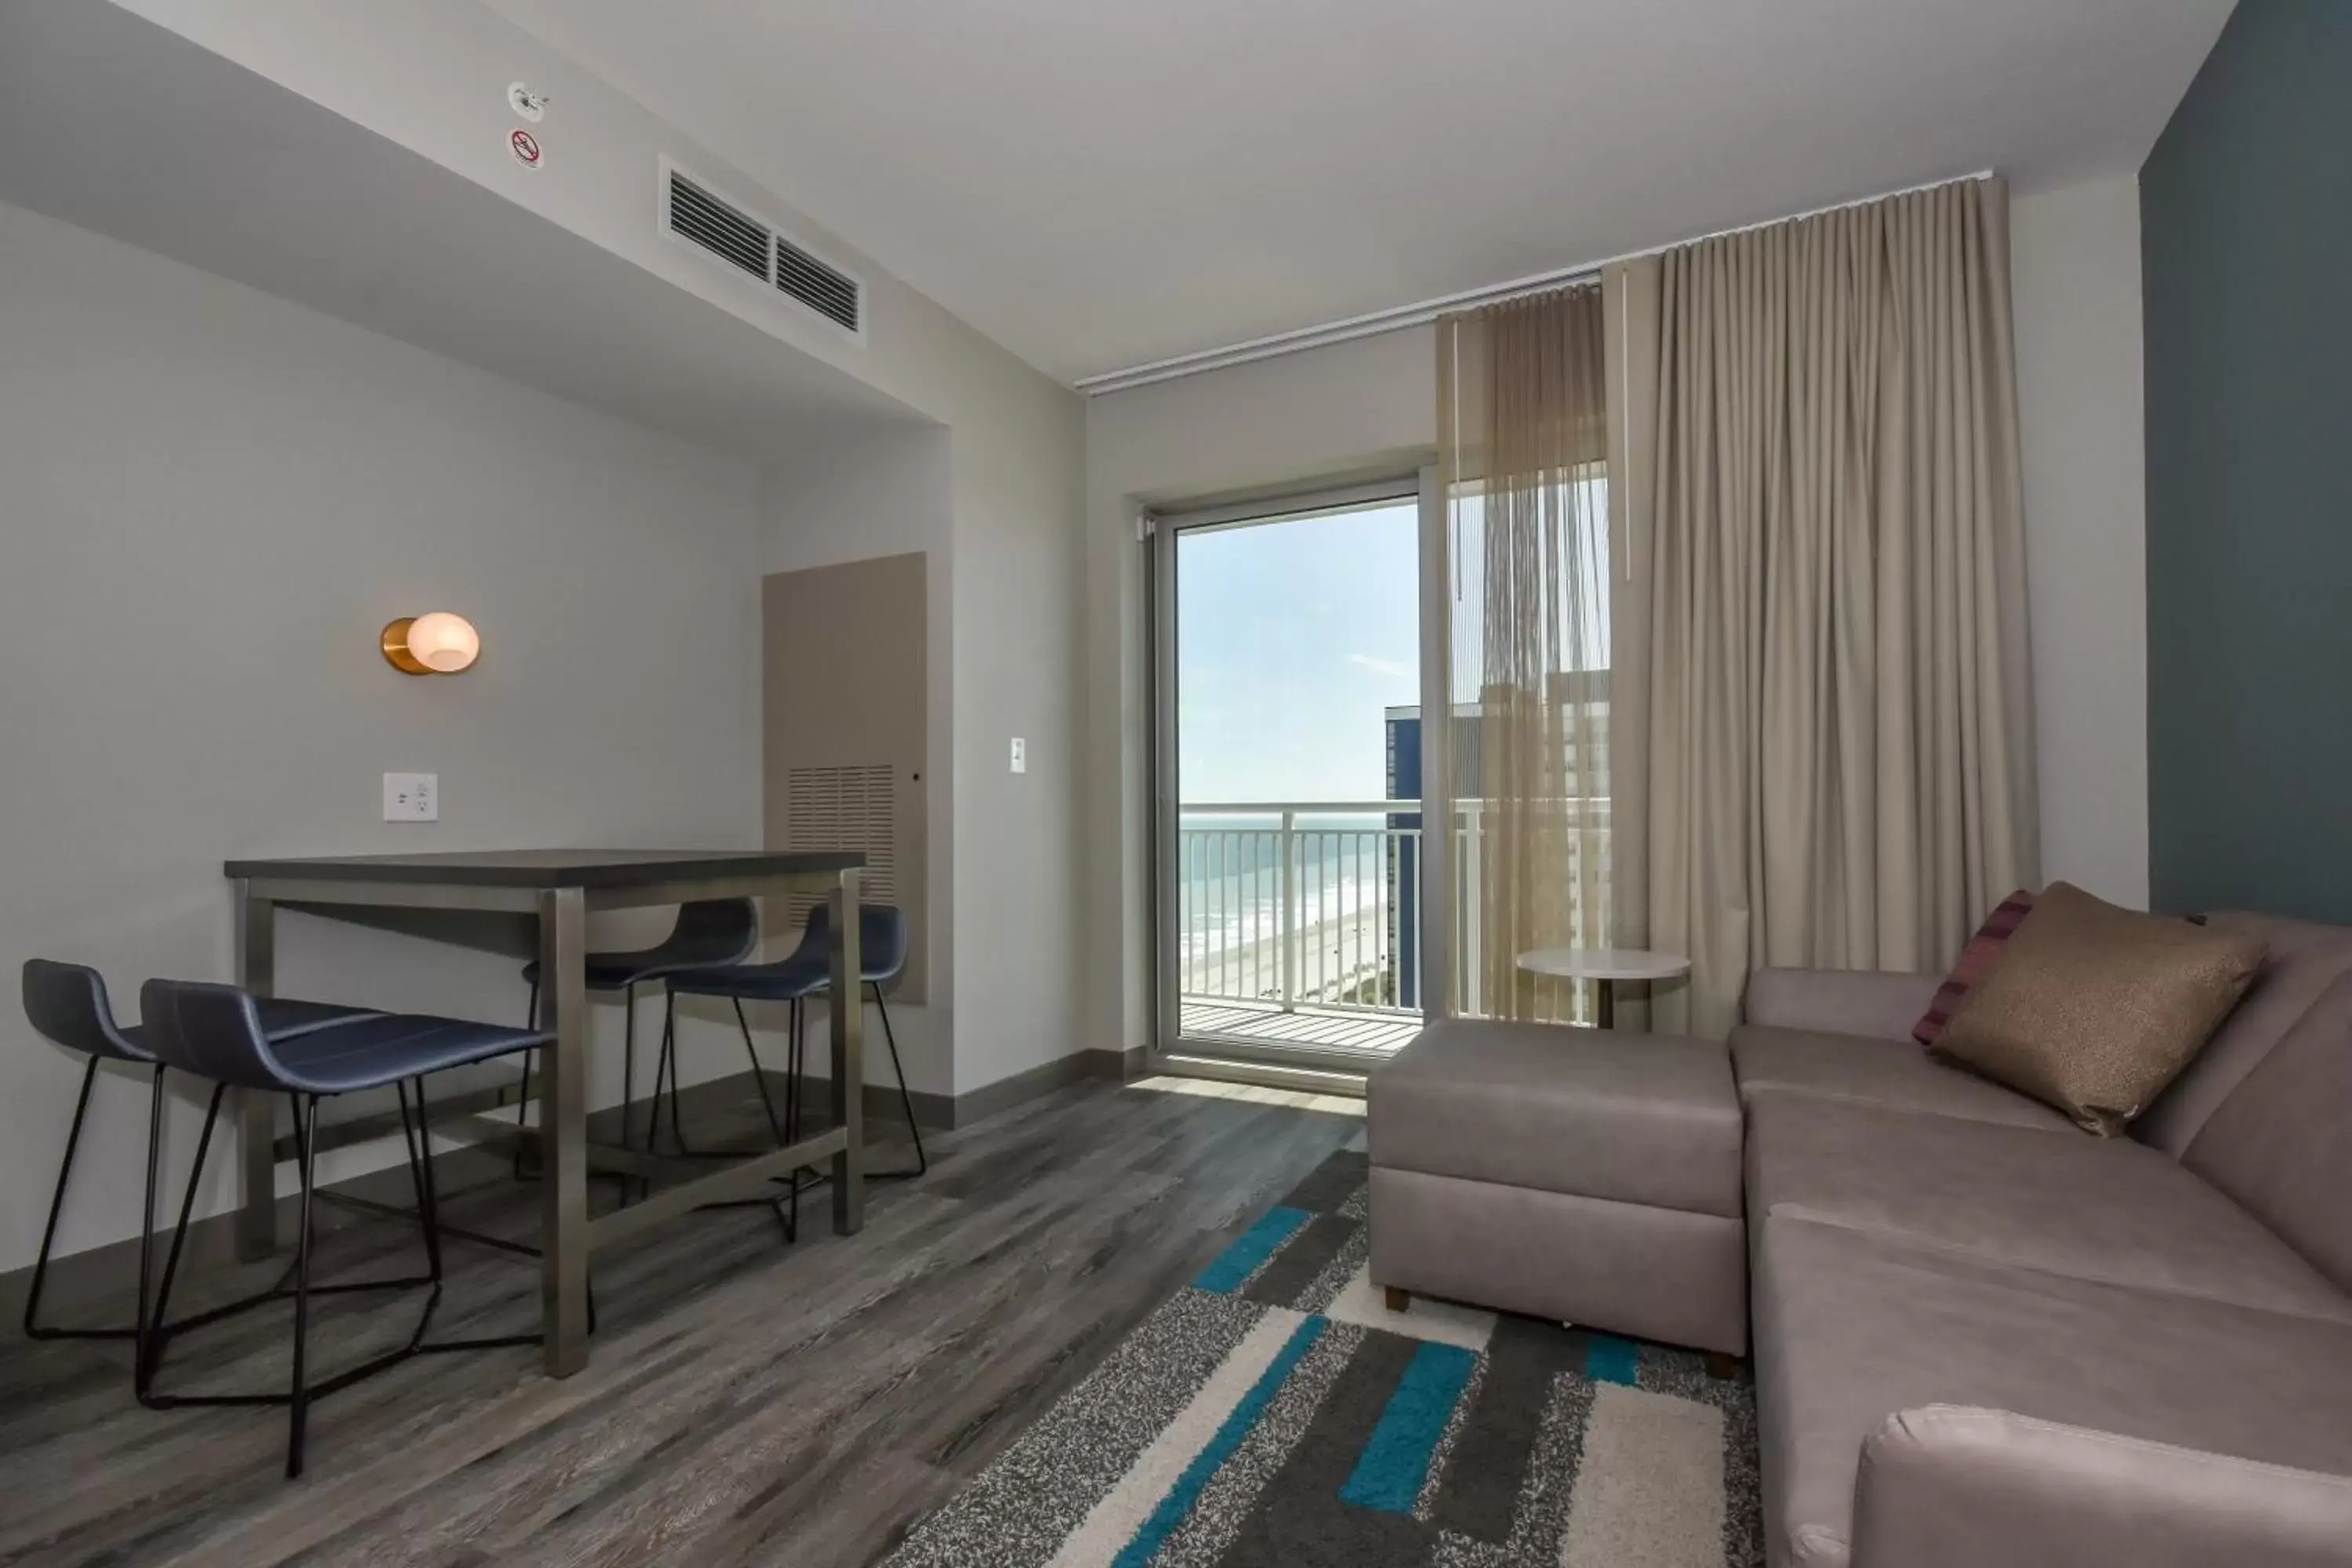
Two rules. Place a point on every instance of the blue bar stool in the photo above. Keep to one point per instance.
(215, 1032)
(710, 933)
(67, 1004)
(808, 973)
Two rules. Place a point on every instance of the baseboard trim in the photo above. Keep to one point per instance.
(991, 1098)
(1126, 1065)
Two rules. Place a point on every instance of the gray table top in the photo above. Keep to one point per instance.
(550, 868)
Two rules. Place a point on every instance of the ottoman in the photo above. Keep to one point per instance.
(1590, 1175)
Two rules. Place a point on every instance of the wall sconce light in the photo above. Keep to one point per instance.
(436, 644)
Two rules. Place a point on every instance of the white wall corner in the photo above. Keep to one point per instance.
(2075, 278)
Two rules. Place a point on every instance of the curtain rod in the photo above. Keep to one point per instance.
(1398, 318)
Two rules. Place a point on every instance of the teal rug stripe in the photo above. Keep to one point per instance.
(1612, 1359)
(1251, 1248)
(1389, 1473)
(1181, 1497)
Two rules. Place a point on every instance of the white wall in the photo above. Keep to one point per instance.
(2076, 262)
(1019, 514)
(1354, 406)
(213, 499)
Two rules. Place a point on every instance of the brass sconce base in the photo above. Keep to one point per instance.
(395, 649)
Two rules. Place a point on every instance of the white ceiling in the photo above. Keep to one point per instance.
(1100, 183)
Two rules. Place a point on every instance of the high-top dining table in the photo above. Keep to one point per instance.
(560, 888)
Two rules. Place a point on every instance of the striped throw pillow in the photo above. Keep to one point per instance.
(1975, 959)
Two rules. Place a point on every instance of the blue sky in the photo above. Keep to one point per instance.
(1292, 640)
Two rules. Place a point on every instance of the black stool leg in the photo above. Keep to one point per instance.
(307, 1128)
(428, 1213)
(792, 1071)
(523, 1106)
(428, 1196)
(796, 1098)
(428, 1219)
(628, 1058)
(56, 1206)
(147, 1213)
(759, 1077)
(300, 1391)
(906, 1100)
(796, 1066)
(420, 1180)
(670, 1060)
(150, 1345)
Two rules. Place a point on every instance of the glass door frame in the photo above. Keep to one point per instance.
(1297, 1064)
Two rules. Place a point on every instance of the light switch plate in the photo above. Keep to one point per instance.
(1020, 755)
(412, 797)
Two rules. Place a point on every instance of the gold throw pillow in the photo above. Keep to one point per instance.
(2094, 1009)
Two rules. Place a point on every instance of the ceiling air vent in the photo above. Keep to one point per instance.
(829, 291)
(697, 216)
(694, 214)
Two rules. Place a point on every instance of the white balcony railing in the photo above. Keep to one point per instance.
(1299, 903)
(1315, 905)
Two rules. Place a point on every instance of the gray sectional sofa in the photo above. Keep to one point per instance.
(1983, 1336)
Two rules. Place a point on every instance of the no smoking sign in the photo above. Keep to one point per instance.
(525, 148)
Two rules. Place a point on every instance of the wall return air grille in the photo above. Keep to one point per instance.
(694, 213)
(845, 808)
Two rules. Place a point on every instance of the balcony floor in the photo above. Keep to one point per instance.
(1381, 1033)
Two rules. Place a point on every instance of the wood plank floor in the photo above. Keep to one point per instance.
(746, 1402)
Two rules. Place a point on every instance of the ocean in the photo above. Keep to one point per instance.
(1346, 876)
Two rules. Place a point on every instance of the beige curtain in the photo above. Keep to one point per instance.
(1820, 504)
(1524, 438)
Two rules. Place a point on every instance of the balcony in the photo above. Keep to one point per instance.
(1298, 921)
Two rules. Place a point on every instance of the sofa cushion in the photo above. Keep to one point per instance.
(1880, 1004)
(1975, 960)
(2282, 1144)
(1652, 1273)
(2095, 1008)
(1877, 1072)
(2093, 1208)
(1853, 1325)
(2304, 958)
(1605, 1113)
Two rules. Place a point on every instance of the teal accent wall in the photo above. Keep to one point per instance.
(2246, 242)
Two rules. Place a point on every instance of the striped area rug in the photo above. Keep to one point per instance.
(1275, 1414)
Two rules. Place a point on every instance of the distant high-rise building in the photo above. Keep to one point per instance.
(1405, 781)
(1403, 871)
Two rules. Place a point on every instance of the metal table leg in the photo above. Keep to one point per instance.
(564, 1135)
(847, 1006)
(256, 1113)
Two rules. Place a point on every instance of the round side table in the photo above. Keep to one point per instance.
(1604, 966)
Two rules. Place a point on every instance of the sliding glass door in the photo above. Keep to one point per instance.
(1291, 865)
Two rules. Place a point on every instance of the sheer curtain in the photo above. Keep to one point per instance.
(1523, 436)
(1831, 757)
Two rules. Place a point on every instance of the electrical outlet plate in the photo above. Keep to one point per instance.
(1020, 755)
(412, 797)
